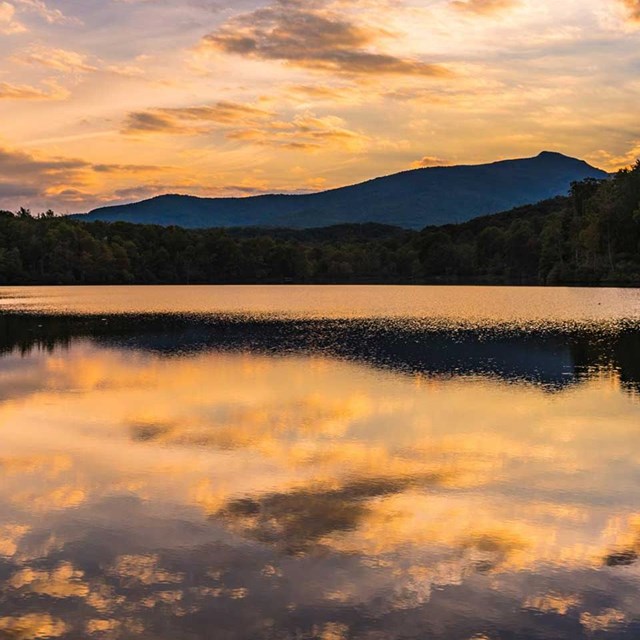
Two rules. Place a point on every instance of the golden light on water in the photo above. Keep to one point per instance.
(335, 467)
(425, 485)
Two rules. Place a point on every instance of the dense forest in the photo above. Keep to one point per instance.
(592, 236)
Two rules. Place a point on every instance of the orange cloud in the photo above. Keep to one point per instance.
(51, 16)
(10, 91)
(634, 8)
(8, 25)
(26, 175)
(61, 60)
(250, 124)
(429, 161)
(315, 37)
(305, 132)
(32, 625)
(189, 120)
(483, 7)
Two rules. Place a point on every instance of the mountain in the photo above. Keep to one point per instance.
(411, 199)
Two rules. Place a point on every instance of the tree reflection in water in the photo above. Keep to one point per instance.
(168, 477)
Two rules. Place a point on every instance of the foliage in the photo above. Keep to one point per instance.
(592, 237)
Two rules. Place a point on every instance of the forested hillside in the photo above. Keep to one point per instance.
(589, 237)
(412, 199)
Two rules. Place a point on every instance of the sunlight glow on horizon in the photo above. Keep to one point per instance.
(113, 101)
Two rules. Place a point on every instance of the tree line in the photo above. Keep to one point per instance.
(591, 236)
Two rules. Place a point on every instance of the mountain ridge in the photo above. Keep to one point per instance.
(411, 199)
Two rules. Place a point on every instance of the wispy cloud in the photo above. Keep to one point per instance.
(193, 120)
(62, 60)
(305, 132)
(483, 7)
(52, 16)
(8, 22)
(248, 124)
(302, 90)
(10, 91)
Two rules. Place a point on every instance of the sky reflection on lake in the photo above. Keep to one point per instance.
(207, 492)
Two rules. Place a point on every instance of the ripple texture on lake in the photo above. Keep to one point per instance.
(256, 471)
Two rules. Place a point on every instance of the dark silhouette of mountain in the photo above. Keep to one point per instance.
(411, 199)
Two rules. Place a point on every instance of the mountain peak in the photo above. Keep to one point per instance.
(411, 199)
(554, 154)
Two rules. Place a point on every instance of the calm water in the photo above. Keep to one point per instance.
(319, 463)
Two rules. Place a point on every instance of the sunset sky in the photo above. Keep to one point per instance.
(109, 101)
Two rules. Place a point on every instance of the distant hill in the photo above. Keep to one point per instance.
(411, 199)
(589, 237)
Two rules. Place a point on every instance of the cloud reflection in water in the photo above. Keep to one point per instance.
(237, 495)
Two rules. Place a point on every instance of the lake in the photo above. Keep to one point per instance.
(322, 463)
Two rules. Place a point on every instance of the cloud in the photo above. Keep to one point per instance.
(25, 166)
(64, 581)
(249, 124)
(143, 191)
(633, 7)
(429, 161)
(16, 190)
(189, 120)
(615, 161)
(153, 122)
(125, 168)
(314, 37)
(483, 7)
(607, 620)
(332, 95)
(8, 25)
(306, 132)
(57, 59)
(29, 176)
(52, 16)
(10, 91)
(24, 175)
(32, 625)
(222, 112)
(295, 521)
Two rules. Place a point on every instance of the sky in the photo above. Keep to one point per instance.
(111, 101)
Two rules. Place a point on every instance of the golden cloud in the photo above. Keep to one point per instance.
(249, 124)
(29, 175)
(144, 570)
(291, 466)
(316, 37)
(32, 625)
(52, 16)
(101, 626)
(63, 582)
(10, 91)
(553, 603)
(193, 120)
(10, 535)
(606, 620)
(8, 25)
(61, 60)
(483, 7)
(429, 161)
(633, 7)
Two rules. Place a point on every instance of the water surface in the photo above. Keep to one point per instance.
(453, 305)
(409, 467)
